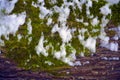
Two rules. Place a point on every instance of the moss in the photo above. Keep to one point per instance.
(55, 17)
(48, 4)
(25, 55)
(19, 7)
(116, 14)
(76, 44)
(95, 10)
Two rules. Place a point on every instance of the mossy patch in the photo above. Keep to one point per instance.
(25, 55)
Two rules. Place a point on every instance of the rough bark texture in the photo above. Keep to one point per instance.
(96, 69)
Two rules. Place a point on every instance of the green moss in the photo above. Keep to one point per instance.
(55, 17)
(25, 55)
(95, 10)
(19, 7)
(76, 44)
(116, 14)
